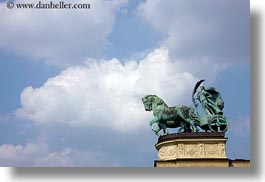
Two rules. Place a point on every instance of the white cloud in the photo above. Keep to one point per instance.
(108, 93)
(201, 27)
(59, 37)
(41, 155)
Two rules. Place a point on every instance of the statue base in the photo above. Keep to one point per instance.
(205, 149)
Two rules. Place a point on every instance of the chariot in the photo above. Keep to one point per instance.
(212, 104)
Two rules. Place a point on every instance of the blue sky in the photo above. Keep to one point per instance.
(72, 80)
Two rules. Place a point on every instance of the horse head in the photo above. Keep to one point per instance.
(152, 101)
(147, 101)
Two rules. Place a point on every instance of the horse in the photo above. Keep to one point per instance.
(170, 117)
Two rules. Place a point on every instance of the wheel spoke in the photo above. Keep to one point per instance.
(217, 124)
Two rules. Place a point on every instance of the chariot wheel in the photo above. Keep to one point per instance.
(218, 123)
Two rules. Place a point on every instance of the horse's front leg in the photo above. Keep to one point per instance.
(165, 130)
(156, 130)
(154, 120)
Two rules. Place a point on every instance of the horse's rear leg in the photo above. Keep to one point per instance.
(181, 129)
(193, 126)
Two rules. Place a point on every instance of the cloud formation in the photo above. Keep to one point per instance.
(108, 93)
(58, 37)
(202, 39)
(201, 27)
(41, 155)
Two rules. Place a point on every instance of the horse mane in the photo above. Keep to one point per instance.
(159, 100)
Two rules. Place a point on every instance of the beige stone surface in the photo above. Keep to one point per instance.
(192, 148)
(195, 150)
(193, 163)
(203, 163)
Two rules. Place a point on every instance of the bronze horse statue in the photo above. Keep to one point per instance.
(170, 117)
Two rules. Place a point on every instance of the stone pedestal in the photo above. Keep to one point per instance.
(207, 149)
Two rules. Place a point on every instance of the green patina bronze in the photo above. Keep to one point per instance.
(169, 117)
(184, 117)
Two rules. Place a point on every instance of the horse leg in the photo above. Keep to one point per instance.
(156, 130)
(187, 128)
(165, 130)
(183, 124)
(154, 120)
(181, 129)
(190, 125)
(193, 127)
